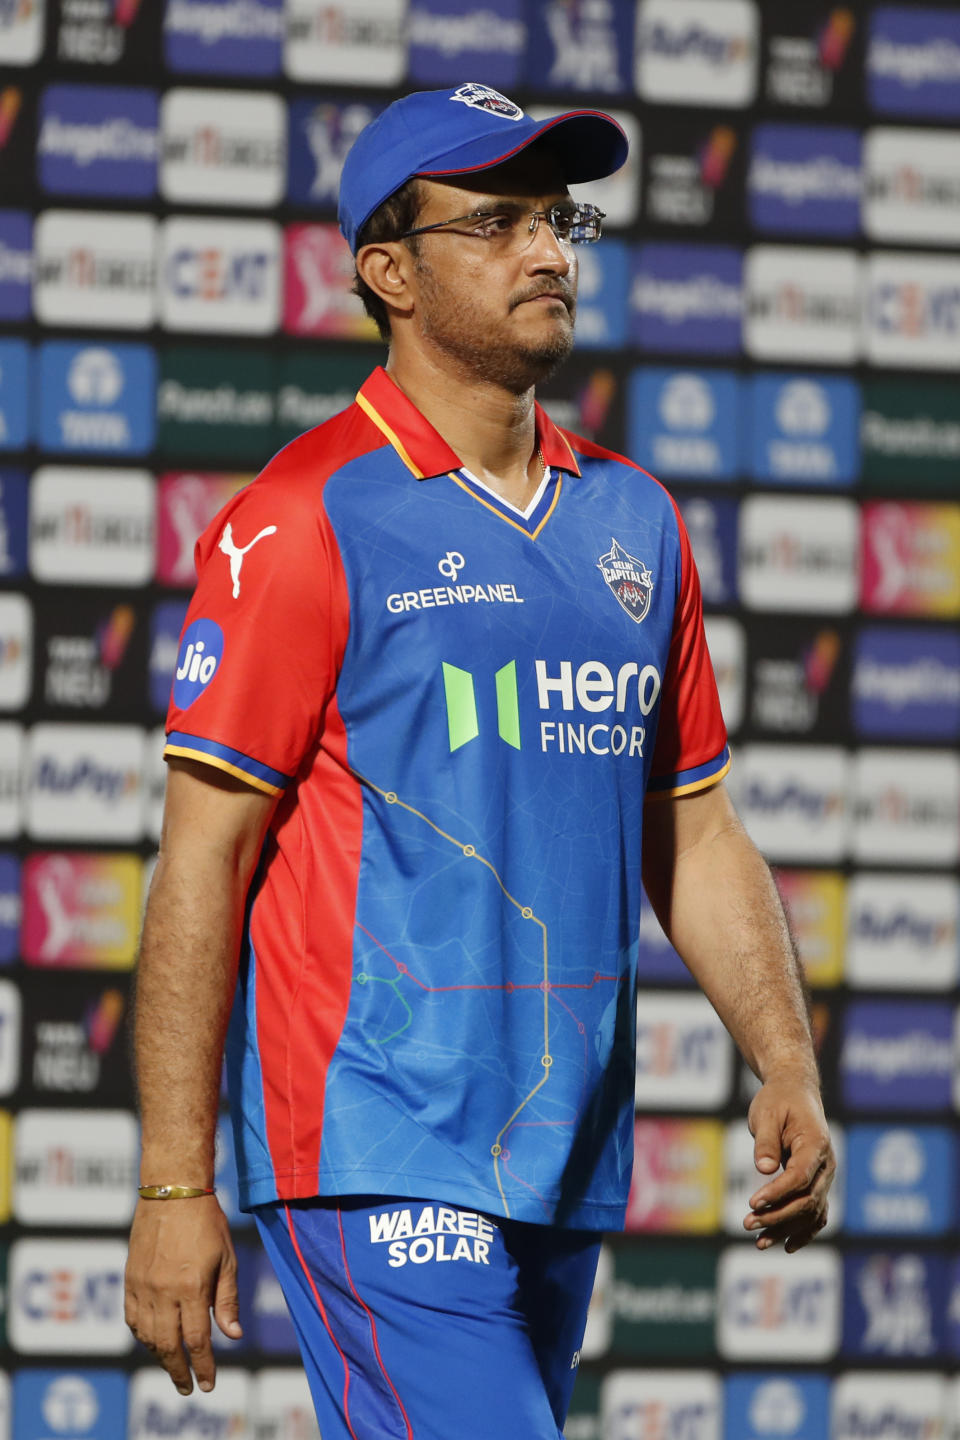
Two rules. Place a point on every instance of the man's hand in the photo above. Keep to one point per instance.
(181, 1263)
(787, 1123)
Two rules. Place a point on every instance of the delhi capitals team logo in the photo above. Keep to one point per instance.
(628, 578)
(481, 97)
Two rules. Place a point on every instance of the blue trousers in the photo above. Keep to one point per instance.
(423, 1321)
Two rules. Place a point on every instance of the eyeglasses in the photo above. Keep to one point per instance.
(509, 229)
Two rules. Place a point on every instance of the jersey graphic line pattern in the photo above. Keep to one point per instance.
(546, 1060)
(340, 1086)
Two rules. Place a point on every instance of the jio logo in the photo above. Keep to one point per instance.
(201, 651)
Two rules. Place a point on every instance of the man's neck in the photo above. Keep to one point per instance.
(492, 430)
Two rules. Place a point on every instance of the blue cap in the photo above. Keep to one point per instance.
(448, 132)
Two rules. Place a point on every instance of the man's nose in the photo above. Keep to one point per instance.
(545, 252)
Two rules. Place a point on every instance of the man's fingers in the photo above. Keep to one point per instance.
(167, 1345)
(767, 1145)
(804, 1164)
(226, 1301)
(793, 1234)
(195, 1327)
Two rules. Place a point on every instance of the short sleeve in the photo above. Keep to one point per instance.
(263, 637)
(691, 752)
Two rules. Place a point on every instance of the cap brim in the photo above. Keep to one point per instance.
(588, 144)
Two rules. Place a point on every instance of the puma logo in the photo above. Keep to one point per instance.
(235, 553)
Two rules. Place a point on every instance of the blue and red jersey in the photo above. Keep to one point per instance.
(462, 708)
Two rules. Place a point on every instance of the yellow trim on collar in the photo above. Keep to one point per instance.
(391, 434)
(530, 534)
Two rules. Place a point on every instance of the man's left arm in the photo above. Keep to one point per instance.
(715, 898)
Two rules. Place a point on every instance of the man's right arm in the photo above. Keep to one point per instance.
(181, 1261)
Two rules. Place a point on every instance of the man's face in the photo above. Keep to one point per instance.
(503, 317)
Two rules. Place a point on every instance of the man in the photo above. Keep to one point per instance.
(439, 654)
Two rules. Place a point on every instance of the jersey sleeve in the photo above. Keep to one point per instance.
(691, 752)
(263, 637)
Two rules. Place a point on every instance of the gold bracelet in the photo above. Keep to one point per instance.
(171, 1192)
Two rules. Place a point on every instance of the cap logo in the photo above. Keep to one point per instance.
(481, 97)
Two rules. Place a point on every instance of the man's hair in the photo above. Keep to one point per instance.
(399, 212)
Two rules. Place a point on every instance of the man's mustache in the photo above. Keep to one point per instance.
(560, 288)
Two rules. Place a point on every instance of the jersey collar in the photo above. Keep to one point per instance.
(422, 450)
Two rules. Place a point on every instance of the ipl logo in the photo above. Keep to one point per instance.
(628, 578)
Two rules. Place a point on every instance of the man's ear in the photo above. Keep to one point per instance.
(386, 267)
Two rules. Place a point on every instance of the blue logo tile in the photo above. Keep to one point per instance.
(805, 180)
(685, 423)
(71, 1404)
(602, 296)
(10, 907)
(98, 140)
(687, 298)
(953, 1309)
(166, 622)
(804, 429)
(897, 1055)
(97, 398)
(913, 62)
(580, 47)
(15, 387)
(905, 683)
(894, 1305)
(900, 1180)
(761, 1405)
(321, 133)
(222, 37)
(13, 523)
(16, 264)
(449, 39)
(712, 526)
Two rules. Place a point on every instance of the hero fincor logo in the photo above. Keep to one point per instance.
(591, 686)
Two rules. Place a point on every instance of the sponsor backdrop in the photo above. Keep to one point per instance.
(772, 325)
